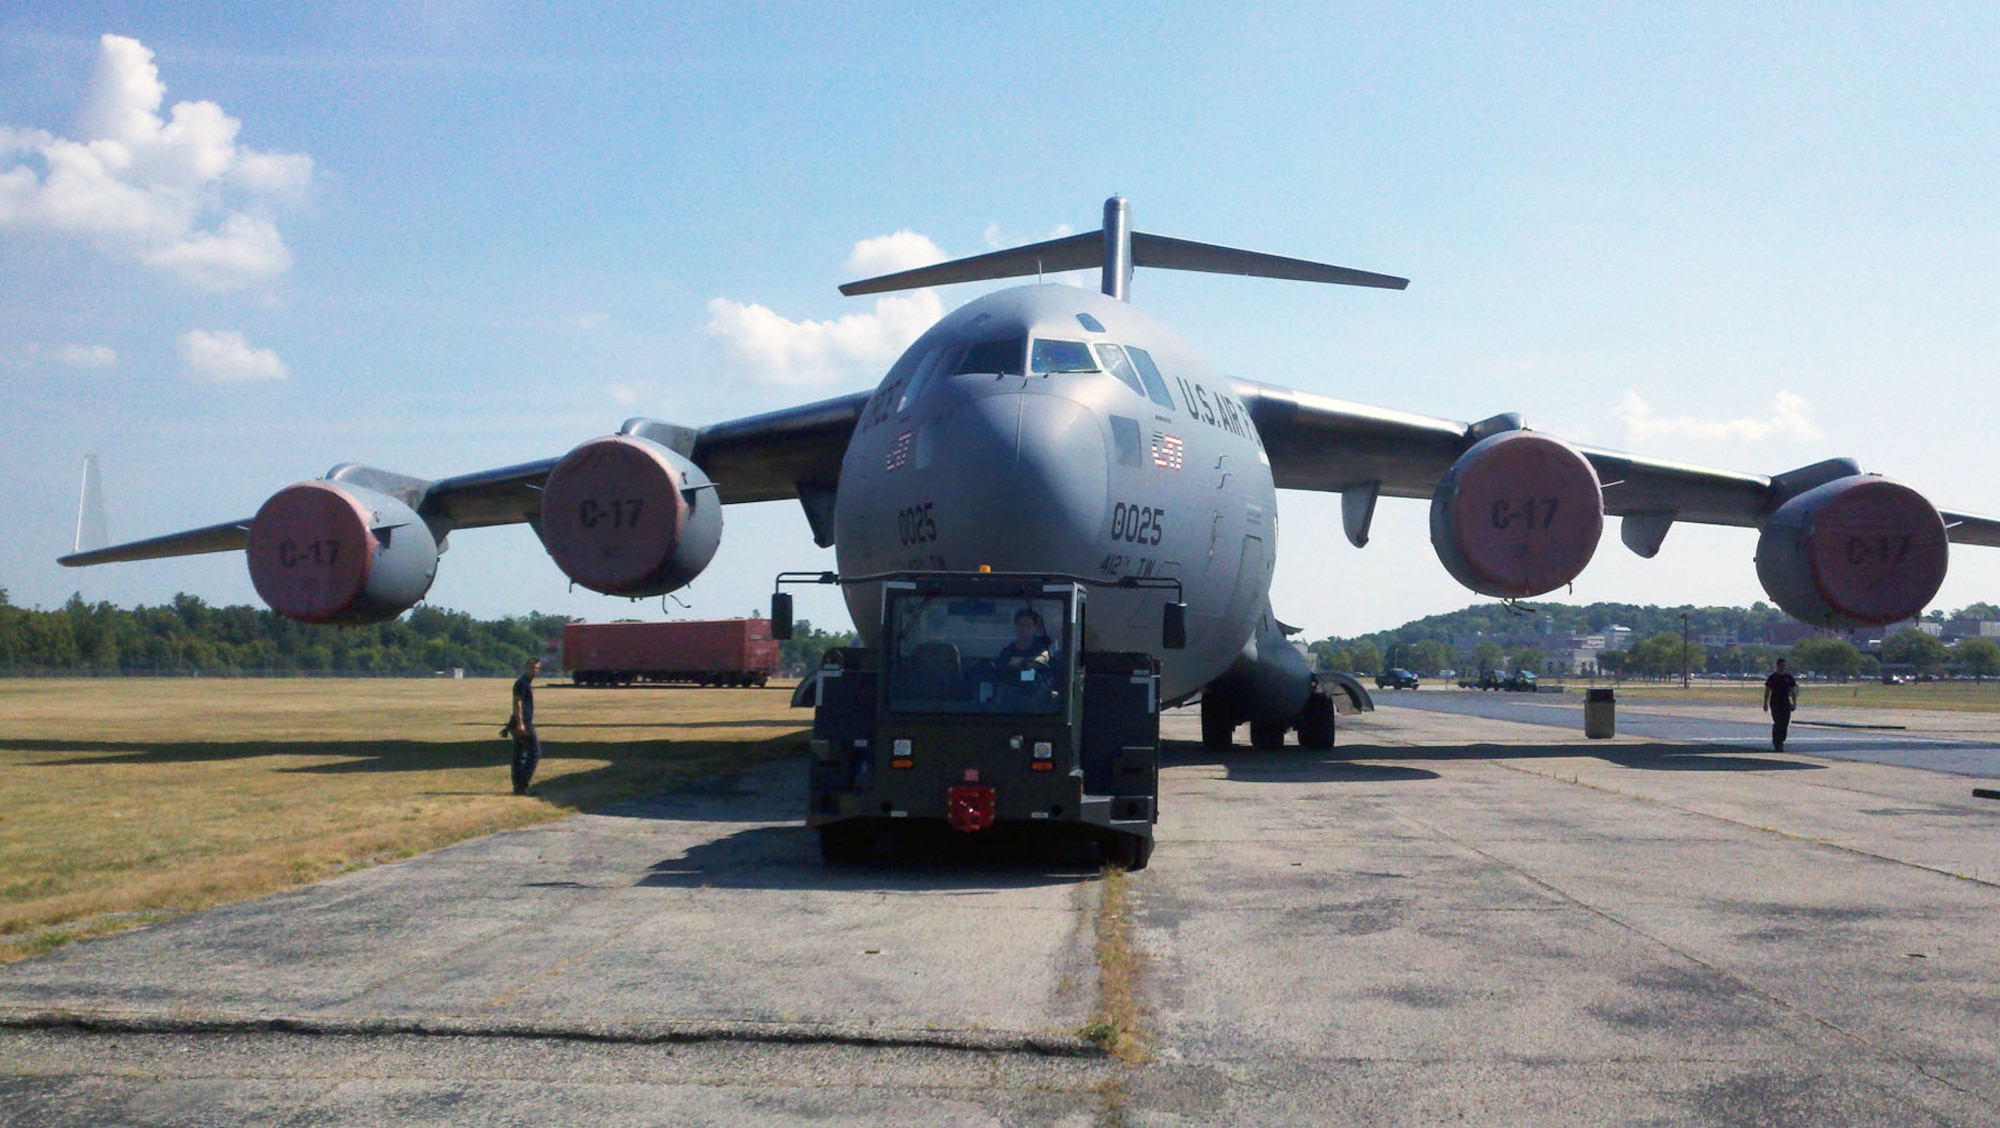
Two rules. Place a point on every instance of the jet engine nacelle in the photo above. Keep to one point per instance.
(624, 515)
(1519, 514)
(331, 552)
(1857, 551)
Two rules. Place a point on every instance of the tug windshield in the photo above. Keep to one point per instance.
(954, 654)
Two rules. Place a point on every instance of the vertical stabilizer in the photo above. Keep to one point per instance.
(1117, 279)
(91, 531)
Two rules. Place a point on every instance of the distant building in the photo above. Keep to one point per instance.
(1557, 653)
(1617, 637)
(1789, 633)
(1970, 628)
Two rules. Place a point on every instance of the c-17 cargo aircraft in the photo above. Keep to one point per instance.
(1046, 429)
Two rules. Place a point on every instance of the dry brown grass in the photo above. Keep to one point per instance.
(127, 801)
(1119, 1022)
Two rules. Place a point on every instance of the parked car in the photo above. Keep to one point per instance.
(1397, 678)
(1519, 681)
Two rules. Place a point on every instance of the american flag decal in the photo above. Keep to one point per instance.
(899, 452)
(1166, 450)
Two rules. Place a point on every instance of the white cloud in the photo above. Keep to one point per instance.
(757, 344)
(246, 248)
(178, 194)
(1786, 421)
(998, 240)
(87, 356)
(887, 254)
(226, 358)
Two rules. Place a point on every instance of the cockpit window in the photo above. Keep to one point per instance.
(1062, 356)
(1156, 385)
(1003, 357)
(943, 357)
(1116, 363)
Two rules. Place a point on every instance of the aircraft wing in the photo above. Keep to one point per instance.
(769, 457)
(1321, 443)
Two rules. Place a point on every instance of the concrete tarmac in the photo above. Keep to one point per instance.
(1456, 918)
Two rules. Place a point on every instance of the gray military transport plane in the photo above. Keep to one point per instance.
(1046, 429)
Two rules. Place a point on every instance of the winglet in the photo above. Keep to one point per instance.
(1116, 249)
(92, 533)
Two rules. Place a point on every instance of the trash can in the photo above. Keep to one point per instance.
(1600, 714)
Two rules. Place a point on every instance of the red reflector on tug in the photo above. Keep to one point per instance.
(969, 807)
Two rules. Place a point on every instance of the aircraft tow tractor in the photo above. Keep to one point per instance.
(979, 707)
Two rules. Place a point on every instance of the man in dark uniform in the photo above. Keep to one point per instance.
(1029, 650)
(1781, 696)
(527, 748)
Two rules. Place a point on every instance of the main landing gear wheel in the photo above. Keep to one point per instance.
(1218, 724)
(1267, 735)
(846, 844)
(1316, 724)
(1129, 852)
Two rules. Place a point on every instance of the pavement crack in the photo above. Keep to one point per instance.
(1033, 1044)
(1856, 851)
(1746, 986)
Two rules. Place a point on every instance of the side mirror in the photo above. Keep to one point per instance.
(1173, 626)
(781, 615)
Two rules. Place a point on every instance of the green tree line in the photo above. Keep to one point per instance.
(189, 636)
(800, 654)
(1658, 649)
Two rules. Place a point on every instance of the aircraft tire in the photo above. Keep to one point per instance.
(1267, 735)
(1218, 724)
(1316, 724)
(846, 844)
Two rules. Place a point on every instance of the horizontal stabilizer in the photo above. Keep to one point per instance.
(1072, 252)
(1164, 253)
(230, 536)
(1116, 249)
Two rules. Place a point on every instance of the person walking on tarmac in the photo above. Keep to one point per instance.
(1781, 696)
(521, 726)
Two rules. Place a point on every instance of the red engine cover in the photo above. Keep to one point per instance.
(311, 552)
(1858, 551)
(1517, 515)
(612, 514)
(334, 552)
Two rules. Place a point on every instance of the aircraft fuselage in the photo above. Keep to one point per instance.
(1051, 429)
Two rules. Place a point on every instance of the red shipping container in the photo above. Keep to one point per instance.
(704, 651)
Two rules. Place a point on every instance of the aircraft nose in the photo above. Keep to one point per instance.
(1026, 483)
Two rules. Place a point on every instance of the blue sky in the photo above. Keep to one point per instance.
(442, 237)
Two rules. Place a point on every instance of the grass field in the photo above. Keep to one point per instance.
(1951, 696)
(129, 801)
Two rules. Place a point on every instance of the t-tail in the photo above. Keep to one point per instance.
(1116, 249)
